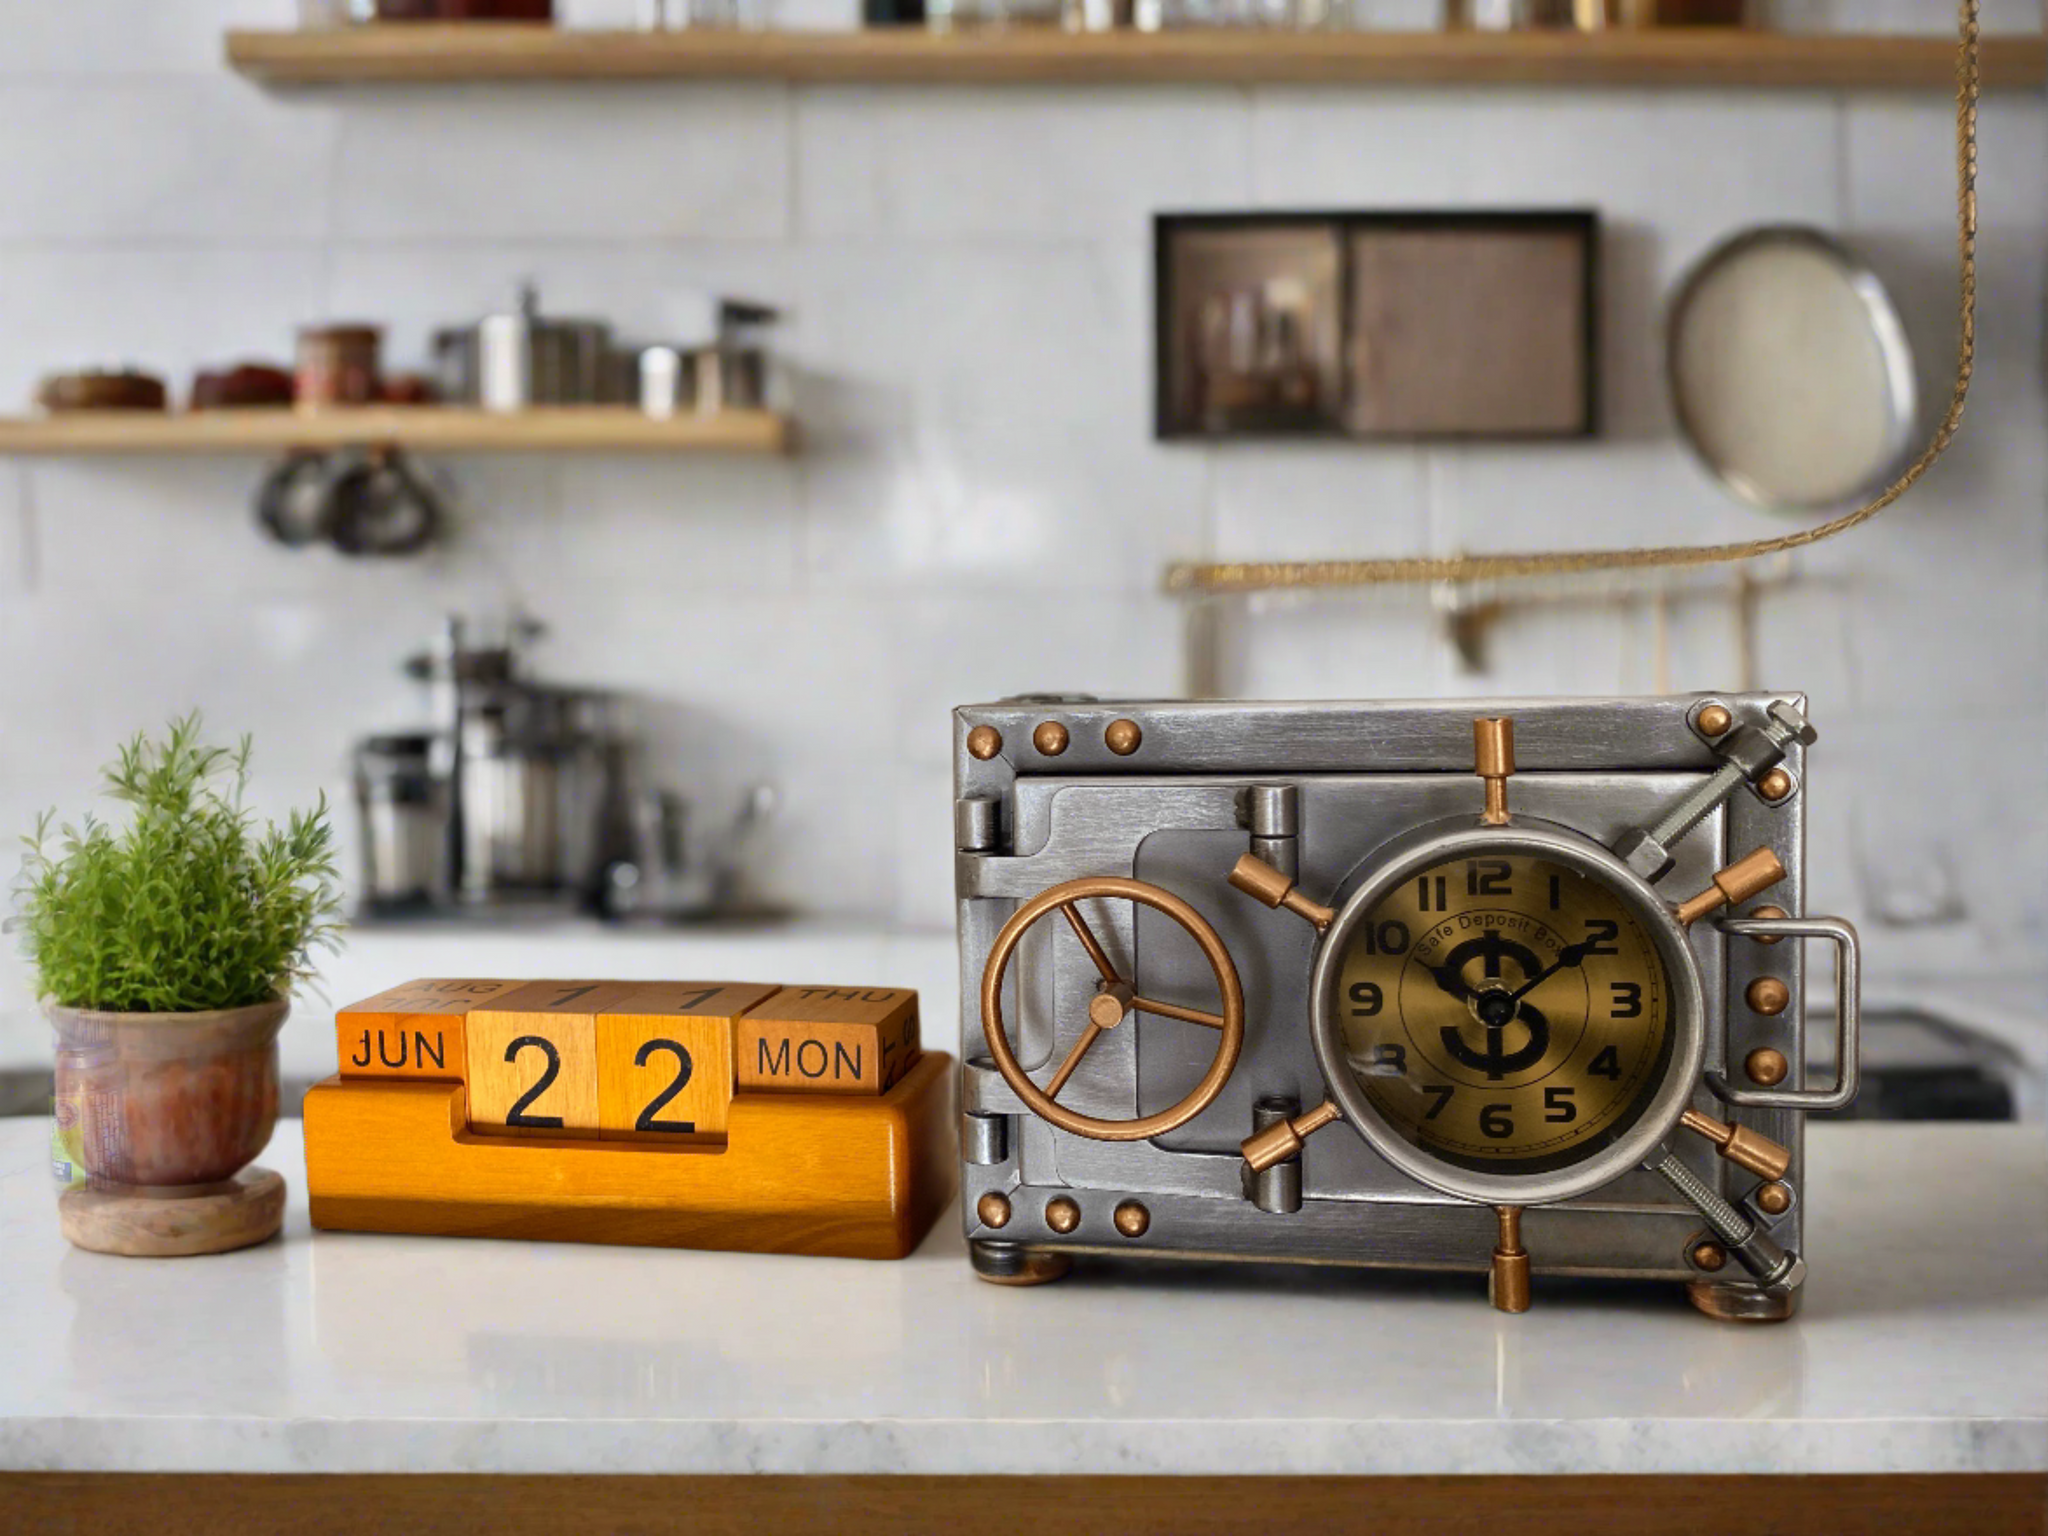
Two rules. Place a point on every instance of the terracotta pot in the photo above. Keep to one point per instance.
(168, 1099)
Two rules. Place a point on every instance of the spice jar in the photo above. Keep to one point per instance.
(338, 365)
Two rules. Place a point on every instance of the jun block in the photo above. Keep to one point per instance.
(413, 1031)
(828, 1040)
(665, 1059)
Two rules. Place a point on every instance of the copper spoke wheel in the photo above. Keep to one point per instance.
(1114, 1001)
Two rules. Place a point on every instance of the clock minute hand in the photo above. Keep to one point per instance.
(1570, 955)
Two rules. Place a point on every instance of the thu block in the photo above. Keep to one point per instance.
(665, 1059)
(415, 1030)
(533, 1057)
(829, 1040)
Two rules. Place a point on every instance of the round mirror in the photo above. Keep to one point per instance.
(1790, 372)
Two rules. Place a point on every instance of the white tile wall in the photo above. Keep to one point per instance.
(979, 508)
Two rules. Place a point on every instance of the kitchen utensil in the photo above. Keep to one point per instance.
(295, 503)
(127, 390)
(509, 362)
(669, 875)
(404, 820)
(337, 365)
(381, 507)
(663, 372)
(1790, 372)
(247, 385)
(465, 10)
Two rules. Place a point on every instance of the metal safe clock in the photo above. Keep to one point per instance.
(1537, 967)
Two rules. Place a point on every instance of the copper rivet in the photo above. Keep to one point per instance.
(1769, 914)
(1714, 720)
(1766, 1067)
(1062, 1215)
(1768, 996)
(1132, 1219)
(1708, 1256)
(1050, 739)
(984, 742)
(993, 1209)
(1122, 737)
(1775, 785)
(1774, 1199)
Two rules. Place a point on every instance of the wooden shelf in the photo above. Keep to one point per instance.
(568, 429)
(425, 54)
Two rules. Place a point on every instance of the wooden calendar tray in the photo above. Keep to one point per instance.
(852, 1177)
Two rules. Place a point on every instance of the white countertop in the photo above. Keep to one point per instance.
(1923, 1347)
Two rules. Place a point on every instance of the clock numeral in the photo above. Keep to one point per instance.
(1556, 892)
(1422, 892)
(1607, 1064)
(1387, 938)
(1558, 1107)
(1488, 877)
(1494, 1121)
(1390, 1061)
(1625, 1000)
(1366, 999)
(1441, 1092)
(1600, 936)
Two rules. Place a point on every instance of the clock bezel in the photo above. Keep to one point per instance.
(1385, 871)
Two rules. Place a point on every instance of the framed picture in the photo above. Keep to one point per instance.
(1377, 325)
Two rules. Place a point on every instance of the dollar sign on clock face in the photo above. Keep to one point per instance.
(1505, 1013)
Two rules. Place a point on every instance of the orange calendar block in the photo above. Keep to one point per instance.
(533, 1057)
(828, 1040)
(412, 1031)
(665, 1059)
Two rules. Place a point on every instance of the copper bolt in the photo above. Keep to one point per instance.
(1709, 1256)
(1746, 877)
(1766, 1068)
(1050, 738)
(984, 742)
(1768, 996)
(1507, 1283)
(993, 1210)
(1262, 882)
(1493, 759)
(1132, 1219)
(1714, 720)
(1775, 785)
(1106, 1009)
(1122, 737)
(1062, 1215)
(1742, 1146)
(1284, 1138)
(1771, 914)
(1773, 1199)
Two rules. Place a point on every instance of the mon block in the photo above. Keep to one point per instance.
(829, 1040)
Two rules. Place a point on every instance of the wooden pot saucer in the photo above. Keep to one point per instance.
(217, 1218)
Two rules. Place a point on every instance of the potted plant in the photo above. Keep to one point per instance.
(166, 948)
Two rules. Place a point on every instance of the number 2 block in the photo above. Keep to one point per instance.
(533, 1058)
(665, 1060)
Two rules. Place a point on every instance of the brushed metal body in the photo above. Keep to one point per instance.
(1209, 783)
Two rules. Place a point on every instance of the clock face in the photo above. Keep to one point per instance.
(1505, 1014)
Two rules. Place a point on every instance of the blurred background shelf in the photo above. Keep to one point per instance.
(424, 54)
(584, 429)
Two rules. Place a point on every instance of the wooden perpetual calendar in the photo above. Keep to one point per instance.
(737, 1115)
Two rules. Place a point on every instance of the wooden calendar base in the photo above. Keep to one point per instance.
(833, 1174)
(219, 1218)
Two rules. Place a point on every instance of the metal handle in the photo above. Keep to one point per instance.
(1848, 1024)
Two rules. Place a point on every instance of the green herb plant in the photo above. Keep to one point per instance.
(188, 906)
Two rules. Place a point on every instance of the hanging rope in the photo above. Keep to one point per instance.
(1264, 575)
